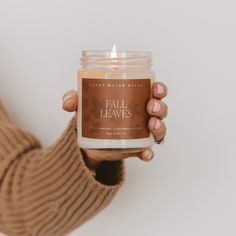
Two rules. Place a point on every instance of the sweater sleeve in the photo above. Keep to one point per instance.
(49, 192)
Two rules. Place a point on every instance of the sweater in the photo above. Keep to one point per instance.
(50, 191)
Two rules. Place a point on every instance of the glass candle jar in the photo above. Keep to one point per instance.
(114, 88)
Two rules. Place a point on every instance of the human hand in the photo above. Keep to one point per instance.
(156, 108)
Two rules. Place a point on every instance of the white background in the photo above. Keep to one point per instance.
(189, 189)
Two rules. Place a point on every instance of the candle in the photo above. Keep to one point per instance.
(114, 88)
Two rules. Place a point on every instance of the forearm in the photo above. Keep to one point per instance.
(52, 191)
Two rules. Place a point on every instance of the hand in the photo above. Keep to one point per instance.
(155, 107)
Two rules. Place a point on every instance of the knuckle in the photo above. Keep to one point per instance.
(160, 135)
(164, 111)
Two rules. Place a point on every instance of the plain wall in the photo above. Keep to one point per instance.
(189, 188)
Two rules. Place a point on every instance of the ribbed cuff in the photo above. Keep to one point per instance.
(51, 192)
(110, 175)
(77, 195)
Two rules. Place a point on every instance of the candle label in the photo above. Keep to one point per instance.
(115, 108)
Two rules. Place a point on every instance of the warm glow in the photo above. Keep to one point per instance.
(114, 52)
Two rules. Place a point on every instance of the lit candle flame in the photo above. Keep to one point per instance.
(114, 52)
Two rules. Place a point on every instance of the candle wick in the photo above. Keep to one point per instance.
(114, 55)
(114, 52)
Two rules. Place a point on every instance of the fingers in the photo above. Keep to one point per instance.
(143, 154)
(146, 155)
(104, 155)
(157, 128)
(157, 108)
(159, 90)
(70, 101)
(120, 154)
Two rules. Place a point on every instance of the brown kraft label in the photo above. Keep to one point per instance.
(115, 108)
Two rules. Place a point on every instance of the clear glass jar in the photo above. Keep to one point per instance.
(113, 92)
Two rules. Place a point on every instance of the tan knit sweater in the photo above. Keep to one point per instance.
(49, 192)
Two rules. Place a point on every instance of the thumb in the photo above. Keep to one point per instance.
(70, 101)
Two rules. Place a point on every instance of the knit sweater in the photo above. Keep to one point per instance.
(49, 192)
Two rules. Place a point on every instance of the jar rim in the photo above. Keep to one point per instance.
(119, 59)
(119, 52)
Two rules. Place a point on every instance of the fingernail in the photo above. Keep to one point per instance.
(160, 89)
(67, 97)
(157, 125)
(156, 106)
(147, 155)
